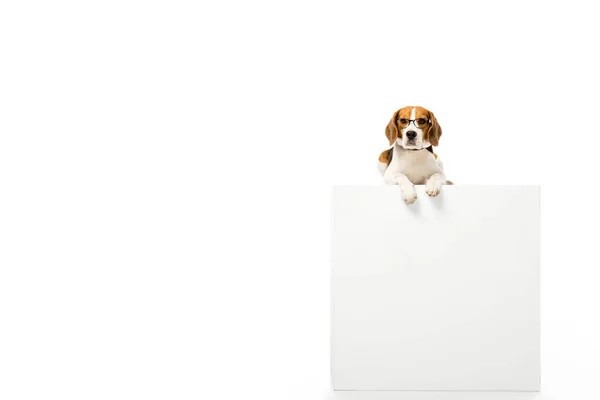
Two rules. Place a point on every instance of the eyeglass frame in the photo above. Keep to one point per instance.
(414, 122)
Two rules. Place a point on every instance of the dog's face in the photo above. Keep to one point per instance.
(413, 128)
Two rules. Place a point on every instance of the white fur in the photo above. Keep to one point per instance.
(414, 167)
(434, 184)
(382, 167)
(409, 194)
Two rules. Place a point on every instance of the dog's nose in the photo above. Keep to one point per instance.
(411, 134)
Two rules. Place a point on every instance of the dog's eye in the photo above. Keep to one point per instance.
(403, 121)
(421, 121)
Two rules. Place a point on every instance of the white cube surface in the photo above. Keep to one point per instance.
(443, 294)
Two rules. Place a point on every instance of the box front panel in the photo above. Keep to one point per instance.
(440, 295)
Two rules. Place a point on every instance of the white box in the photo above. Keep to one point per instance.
(440, 295)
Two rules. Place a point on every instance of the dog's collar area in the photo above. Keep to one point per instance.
(391, 152)
(430, 149)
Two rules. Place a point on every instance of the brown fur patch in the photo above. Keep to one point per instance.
(386, 156)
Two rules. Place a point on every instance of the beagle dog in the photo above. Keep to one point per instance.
(412, 132)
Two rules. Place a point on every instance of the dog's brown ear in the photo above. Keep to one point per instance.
(391, 130)
(435, 131)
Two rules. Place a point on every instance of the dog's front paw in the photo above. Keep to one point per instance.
(433, 187)
(409, 194)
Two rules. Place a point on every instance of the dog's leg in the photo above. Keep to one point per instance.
(434, 184)
(409, 194)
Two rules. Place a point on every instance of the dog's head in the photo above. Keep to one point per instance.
(413, 128)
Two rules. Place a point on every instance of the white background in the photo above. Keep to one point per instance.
(166, 167)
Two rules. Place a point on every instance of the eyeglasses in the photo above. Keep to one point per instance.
(419, 122)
